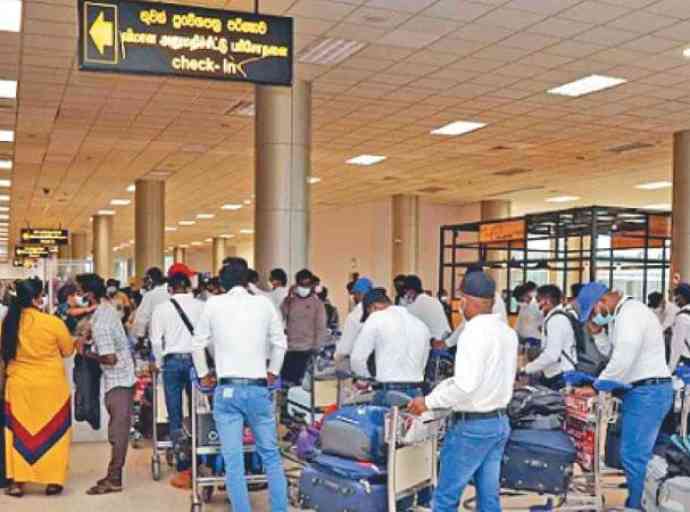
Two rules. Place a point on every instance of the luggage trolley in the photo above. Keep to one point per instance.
(159, 446)
(683, 373)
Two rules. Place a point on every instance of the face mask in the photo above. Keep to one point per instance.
(444, 298)
(602, 320)
(81, 301)
(111, 290)
(303, 291)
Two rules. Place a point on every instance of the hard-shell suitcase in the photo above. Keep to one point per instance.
(298, 407)
(539, 461)
(612, 451)
(355, 432)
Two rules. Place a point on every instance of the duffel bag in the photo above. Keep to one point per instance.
(539, 461)
(355, 432)
(540, 422)
(530, 400)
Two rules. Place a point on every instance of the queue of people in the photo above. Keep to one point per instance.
(254, 336)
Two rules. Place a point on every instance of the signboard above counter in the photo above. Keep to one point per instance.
(44, 236)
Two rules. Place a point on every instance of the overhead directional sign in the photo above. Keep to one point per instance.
(164, 39)
(34, 251)
(44, 236)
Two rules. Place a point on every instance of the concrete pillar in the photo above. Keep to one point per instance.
(103, 245)
(149, 225)
(64, 252)
(77, 245)
(218, 254)
(230, 250)
(405, 234)
(282, 167)
(179, 254)
(130, 267)
(680, 242)
(496, 210)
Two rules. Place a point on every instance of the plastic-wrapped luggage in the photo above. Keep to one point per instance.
(539, 461)
(536, 408)
(355, 432)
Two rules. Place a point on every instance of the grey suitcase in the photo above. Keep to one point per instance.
(657, 470)
(661, 495)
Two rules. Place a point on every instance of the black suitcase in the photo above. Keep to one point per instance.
(539, 461)
(612, 450)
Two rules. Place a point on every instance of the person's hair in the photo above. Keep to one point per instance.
(302, 275)
(278, 274)
(551, 292)
(316, 279)
(530, 286)
(113, 282)
(252, 276)
(474, 267)
(400, 278)
(92, 283)
(414, 283)
(235, 272)
(655, 299)
(65, 292)
(519, 292)
(575, 289)
(683, 292)
(27, 291)
(179, 281)
(323, 295)
(156, 275)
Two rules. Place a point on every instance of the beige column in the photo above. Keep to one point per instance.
(405, 234)
(282, 167)
(179, 255)
(496, 210)
(218, 254)
(78, 247)
(64, 252)
(680, 242)
(103, 245)
(230, 250)
(149, 225)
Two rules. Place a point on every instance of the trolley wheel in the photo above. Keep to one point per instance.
(196, 507)
(156, 469)
(207, 494)
(170, 457)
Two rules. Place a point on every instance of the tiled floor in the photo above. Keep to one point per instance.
(141, 492)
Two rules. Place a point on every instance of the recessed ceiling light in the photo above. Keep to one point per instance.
(120, 202)
(686, 53)
(170, 228)
(661, 206)
(11, 19)
(329, 51)
(187, 223)
(5, 183)
(562, 199)
(106, 212)
(587, 85)
(8, 89)
(131, 188)
(209, 240)
(197, 243)
(366, 160)
(6, 136)
(247, 231)
(231, 207)
(458, 128)
(205, 215)
(4, 208)
(4, 197)
(247, 201)
(313, 180)
(228, 235)
(654, 185)
(5, 165)
(4, 216)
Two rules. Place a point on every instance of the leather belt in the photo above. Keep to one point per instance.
(231, 381)
(397, 386)
(651, 382)
(186, 357)
(469, 416)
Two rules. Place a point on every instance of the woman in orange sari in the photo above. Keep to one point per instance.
(37, 395)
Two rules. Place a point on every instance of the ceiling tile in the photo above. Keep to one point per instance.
(549, 7)
(651, 44)
(408, 39)
(606, 36)
(677, 32)
(573, 49)
(529, 41)
(483, 33)
(511, 18)
(676, 8)
(642, 22)
(460, 10)
(355, 32)
(321, 9)
(594, 12)
(378, 18)
(456, 46)
(560, 27)
(401, 5)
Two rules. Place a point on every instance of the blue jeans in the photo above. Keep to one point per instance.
(176, 380)
(381, 396)
(472, 449)
(233, 407)
(644, 410)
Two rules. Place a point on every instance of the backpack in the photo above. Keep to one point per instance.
(590, 360)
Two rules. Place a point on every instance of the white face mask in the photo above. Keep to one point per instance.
(303, 291)
(81, 301)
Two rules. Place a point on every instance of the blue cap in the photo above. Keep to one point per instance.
(362, 285)
(478, 284)
(588, 297)
(683, 289)
(372, 297)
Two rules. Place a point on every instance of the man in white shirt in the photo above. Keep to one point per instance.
(428, 309)
(353, 324)
(400, 343)
(530, 318)
(559, 349)
(172, 329)
(157, 294)
(278, 279)
(665, 310)
(245, 331)
(680, 340)
(639, 360)
(478, 394)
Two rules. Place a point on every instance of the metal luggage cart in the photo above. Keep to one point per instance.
(684, 375)
(159, 446)
(586, 490)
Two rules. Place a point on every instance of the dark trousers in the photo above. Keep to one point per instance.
(119, 403)
(3, 474)
(295, 366)
(176, 381)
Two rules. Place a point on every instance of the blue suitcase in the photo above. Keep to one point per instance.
(355, 432)
(539, 461)
(334, 484)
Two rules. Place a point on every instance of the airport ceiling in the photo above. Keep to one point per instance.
(82, 138)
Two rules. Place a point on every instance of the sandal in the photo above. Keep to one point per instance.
(16, 490)
(53, 490)
(105, 487)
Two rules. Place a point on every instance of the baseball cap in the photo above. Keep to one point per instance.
(478, 284)
(588, 297)
(374, 296)
(180, 268)
(683, 289)
(362, 285)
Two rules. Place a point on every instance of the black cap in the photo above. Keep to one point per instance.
(478, 284)
(683, 289)
(413, 283)
(374, 296)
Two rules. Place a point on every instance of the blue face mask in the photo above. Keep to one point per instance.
(602, 320)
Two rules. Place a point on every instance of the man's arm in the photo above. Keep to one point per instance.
(142, 317)
(201, 339)
(346, 343)
(557, 331)
(366, 341)
(157, 327)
